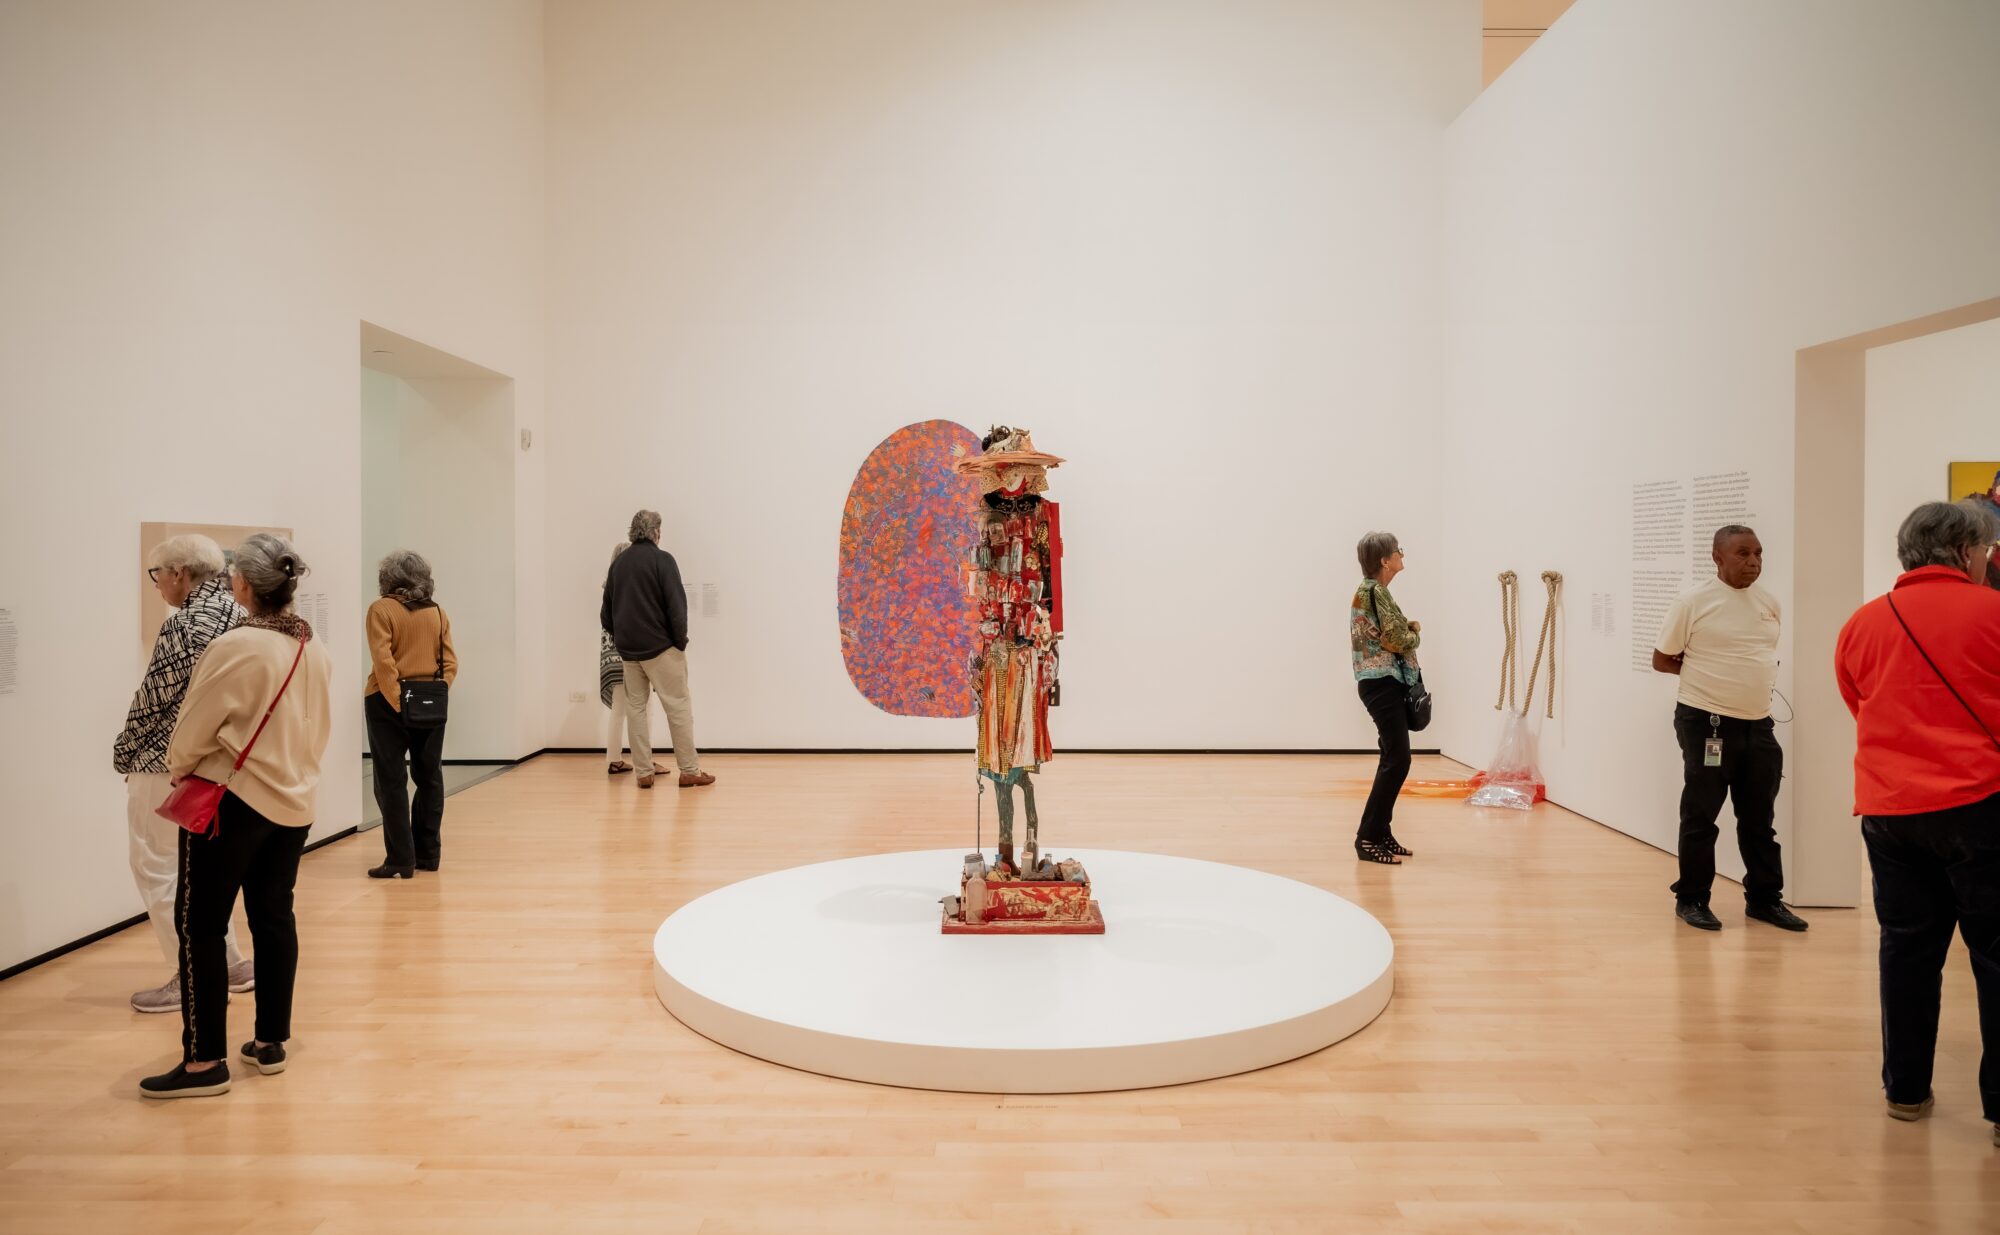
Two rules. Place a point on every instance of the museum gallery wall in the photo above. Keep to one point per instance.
(185, 281)
(1636, 253)
(1193, 243)
(1932, 402)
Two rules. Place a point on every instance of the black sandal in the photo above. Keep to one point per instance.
(1396, 847)
(1376, 851)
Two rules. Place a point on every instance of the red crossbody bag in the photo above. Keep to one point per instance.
(194, 800)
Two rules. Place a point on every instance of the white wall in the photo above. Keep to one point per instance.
(203, 201)
(1192, 246)
(1931, 401)
(1637, 250)
(438, 477)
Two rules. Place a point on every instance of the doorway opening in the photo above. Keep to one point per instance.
(1835, 546)
(437, 477)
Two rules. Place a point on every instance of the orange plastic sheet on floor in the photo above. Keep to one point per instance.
(1439, 788)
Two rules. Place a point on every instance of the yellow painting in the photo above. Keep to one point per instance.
(153, 610)
(1975, 480)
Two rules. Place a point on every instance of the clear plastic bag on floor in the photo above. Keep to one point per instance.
(1514, 779)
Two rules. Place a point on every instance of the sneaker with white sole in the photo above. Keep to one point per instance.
(165, 998)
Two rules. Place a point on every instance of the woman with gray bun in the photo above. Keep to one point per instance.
(261, 695)
(409, 637)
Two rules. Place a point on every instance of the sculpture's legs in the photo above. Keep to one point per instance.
(1034, 849)
(1003, 801)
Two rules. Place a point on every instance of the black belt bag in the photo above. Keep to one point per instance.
(426, 700)
(1417, 704)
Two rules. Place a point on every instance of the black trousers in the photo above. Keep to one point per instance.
(1383, 697)
(1933, 872)
(1753, 766)
(407, 838)
(245, 852)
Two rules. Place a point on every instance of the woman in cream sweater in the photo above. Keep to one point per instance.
(260, 830)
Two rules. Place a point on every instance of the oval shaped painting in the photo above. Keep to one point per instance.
(906, 622)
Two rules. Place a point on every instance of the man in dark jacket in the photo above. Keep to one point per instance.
(645, 613)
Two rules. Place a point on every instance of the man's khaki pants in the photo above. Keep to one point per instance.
(667, 676)
(156, 862)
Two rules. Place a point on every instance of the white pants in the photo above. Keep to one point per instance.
(614, 745)
(156, 862)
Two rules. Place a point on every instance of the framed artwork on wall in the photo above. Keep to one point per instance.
(1979, 482)
(1975, 480)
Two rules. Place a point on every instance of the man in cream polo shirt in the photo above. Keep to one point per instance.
(1722, 640)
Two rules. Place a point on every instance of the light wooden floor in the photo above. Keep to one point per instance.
(481, 1050)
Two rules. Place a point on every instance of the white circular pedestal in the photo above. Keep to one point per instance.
(1203, 970)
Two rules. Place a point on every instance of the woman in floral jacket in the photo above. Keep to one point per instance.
(1385, 666)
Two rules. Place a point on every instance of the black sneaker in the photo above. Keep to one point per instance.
(1696, 914)
(1776, 914)
(386, 871)
(268, 1059)
(181, 1083)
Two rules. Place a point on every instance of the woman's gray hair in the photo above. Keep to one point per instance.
(1376, 548)
(406, 576)
(194, 553)
(1940, 534)
(646, 526)
(1982, 510)
(618, 549)
(271, 569)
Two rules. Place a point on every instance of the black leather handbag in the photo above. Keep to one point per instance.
(427, 700)
(1417, 703)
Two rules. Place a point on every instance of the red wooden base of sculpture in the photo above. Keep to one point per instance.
(1091, 923)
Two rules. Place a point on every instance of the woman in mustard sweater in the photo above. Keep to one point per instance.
(409, 638)
(267, 672)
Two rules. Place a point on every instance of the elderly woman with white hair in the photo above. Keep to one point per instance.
(409, 640)
(188, 573)
(255, 721)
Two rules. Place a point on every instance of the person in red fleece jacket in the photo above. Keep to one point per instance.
(1920, 670)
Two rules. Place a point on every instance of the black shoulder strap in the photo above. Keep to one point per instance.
(1940, 673)
(439, 675)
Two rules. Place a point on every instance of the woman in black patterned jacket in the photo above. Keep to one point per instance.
(189, 575)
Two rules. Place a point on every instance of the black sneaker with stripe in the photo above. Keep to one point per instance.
(268, 1059)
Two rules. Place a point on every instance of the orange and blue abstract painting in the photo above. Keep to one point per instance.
(906, 620)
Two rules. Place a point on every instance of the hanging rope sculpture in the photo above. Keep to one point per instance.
(1510, 622)
(1547, 639)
